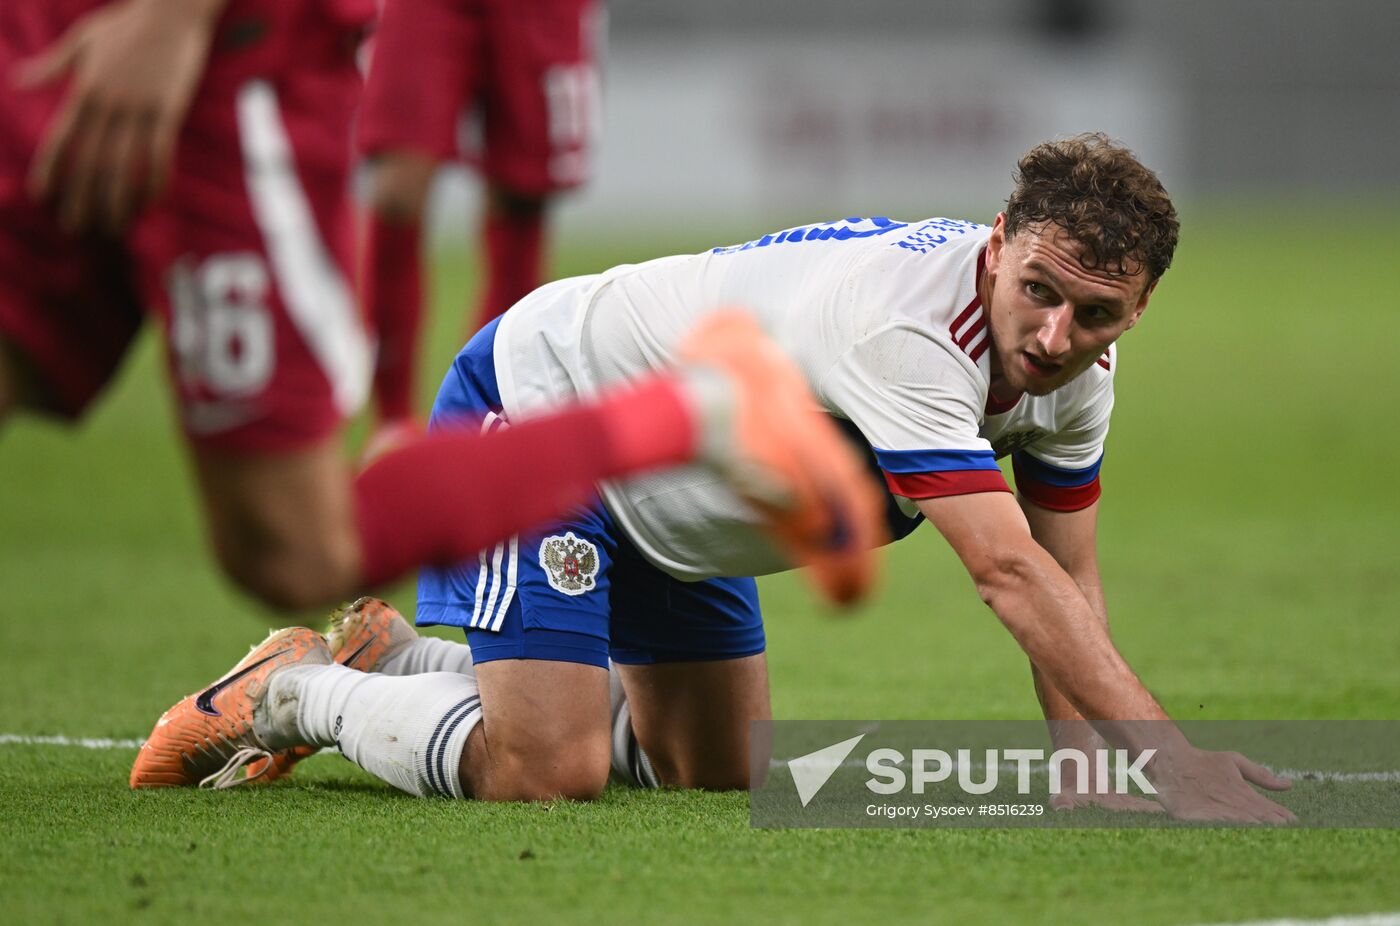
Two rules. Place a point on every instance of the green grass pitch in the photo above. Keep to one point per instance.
(1249, 538)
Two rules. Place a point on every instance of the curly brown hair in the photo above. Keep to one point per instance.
(1103, 196)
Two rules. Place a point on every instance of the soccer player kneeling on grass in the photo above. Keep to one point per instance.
(942, 344)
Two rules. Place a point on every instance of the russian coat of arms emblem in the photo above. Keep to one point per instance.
(570, 562)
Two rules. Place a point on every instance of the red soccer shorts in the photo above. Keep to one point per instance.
(242, 261)
(527, 68)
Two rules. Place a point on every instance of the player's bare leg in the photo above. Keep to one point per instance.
(544, 733)
(513, 232)
(390, 283)
(692, 718)
(283, 526)
(399, 184)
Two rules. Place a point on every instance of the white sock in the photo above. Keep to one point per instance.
(430, 654)
(408, 731)
(630, 764)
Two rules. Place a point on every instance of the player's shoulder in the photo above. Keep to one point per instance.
(928, 278)
(935, 260)
(940, 237)
(847, 233)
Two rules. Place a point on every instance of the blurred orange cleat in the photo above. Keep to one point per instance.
(208, 737)
(789, 460)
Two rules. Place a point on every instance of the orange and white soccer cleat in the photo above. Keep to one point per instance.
(367, 634)
(208, 737)
(788, 459)
(362, 636)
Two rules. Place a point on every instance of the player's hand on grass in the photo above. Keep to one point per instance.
(133, 67)
(1197, 784)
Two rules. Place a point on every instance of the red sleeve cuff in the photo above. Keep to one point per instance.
(941, 484)
(1053, 497)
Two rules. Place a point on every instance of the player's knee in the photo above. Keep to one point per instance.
(708, 772)
(577, 771)
(717, 779)
(515, 204)
(568, 782)
(290, 575)
(399, 186)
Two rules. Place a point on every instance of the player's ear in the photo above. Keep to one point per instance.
(996, 242)
(1141, 304)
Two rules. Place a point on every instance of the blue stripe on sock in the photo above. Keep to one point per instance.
(438, 732)
(473, 704)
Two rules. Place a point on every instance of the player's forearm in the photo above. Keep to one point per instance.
(1054, 705)
(1067, 727)
(1048, 615)
(1060, 714)
(1065, 710)
(1069, 537)
(1046, 611)
(1078, 674)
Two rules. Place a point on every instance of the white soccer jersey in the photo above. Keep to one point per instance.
(883, 319)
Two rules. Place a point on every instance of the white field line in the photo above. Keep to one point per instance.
(81, 742)
(1366, 919)
(1042, 768)
(1037, 768)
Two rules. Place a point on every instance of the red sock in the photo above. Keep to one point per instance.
(442, 498)
(391, 287)
(514, 243)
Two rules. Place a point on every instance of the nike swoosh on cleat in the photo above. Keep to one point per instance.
(350, 663)
(205, 701)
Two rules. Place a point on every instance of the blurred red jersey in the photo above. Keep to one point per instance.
(244, 260)
(528, 69)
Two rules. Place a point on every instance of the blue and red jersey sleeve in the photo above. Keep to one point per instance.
(939, 473)
(1054, 487)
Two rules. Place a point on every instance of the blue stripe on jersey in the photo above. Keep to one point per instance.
(843, 230)
(1041, 471)
(934, 461)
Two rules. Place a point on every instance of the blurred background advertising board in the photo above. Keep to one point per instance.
(726, 114)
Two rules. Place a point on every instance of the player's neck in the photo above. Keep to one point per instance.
(1002, 392)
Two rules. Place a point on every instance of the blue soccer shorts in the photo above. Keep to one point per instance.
(576, 590)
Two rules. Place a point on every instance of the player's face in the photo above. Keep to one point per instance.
(1050, 317)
